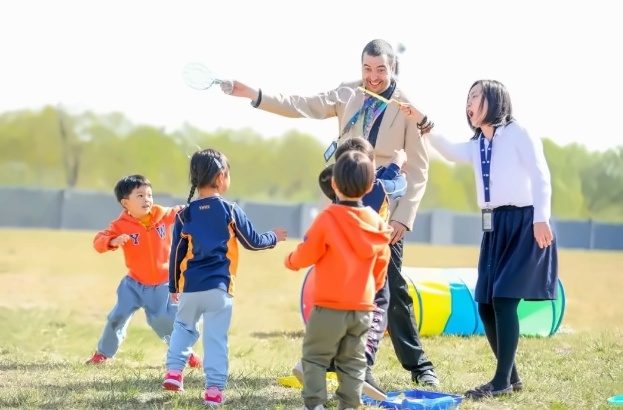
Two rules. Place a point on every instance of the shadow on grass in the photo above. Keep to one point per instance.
(33, 367)
(144, 391)
(251, 392)
(47, 367)
(279, 334)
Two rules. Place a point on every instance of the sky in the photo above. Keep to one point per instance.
(560, 60)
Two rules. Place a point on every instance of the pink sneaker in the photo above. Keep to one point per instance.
(213, 396)
(97, 358)
(194, 361)
(173, 381)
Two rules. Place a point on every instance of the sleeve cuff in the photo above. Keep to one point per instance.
(287, 263)
(540, 217)
(257, 103)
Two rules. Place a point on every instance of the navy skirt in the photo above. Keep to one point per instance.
(511, 263)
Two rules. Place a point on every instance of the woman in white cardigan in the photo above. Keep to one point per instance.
(518, 254)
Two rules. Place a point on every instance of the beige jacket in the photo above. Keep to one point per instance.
(395, 132)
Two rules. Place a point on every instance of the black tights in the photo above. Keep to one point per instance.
(502, 329)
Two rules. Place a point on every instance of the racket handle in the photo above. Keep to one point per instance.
(375, 95)
(227, 86)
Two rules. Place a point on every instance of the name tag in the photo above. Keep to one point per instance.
(487, 220)
(330, 151)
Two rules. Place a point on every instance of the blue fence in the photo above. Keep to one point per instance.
(82, 210)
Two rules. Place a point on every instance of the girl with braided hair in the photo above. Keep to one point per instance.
(202, 271)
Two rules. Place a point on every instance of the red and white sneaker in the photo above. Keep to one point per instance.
(97, 358)
(194, 361)
(213, 396)
(173, 381)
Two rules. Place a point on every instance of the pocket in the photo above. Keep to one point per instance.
(367, 319)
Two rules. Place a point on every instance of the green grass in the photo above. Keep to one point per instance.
(57, 292)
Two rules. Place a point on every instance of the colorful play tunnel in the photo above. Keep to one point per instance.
(443, 300)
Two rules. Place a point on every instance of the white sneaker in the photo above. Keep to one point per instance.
(318, 407)
(297, 371)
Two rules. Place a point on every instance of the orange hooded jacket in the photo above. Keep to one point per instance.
(349, 247)
(147, 252)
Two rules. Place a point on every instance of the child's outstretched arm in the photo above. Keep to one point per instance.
(393, 181)
(179, 249)
(248, 236)
(171, 213)
(109, 239)
(311, 249)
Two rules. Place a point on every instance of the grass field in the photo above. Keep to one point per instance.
(58, 290)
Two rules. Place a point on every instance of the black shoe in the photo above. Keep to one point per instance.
(371, 387)
(487, 390)
(426, 378)
(518, 385)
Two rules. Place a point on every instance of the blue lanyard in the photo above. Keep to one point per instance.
(485, 164)
(368, 102)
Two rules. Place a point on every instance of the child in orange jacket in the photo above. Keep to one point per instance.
(348, 244)
(143, 231)
(390, 184)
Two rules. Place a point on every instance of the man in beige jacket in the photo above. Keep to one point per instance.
(387, 129)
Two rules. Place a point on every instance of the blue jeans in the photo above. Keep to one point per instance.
(131, 296)
(215, 306)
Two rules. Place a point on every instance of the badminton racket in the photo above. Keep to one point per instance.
(375, 95)
(200, 77)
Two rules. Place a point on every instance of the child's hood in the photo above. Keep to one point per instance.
(362, 228)
(157, 213)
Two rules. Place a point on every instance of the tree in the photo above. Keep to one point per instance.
(602, 185)
(71, 149)
(57, 147)
(565, 165)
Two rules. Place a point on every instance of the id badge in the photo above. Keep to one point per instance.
(330, 151)
(487, 220)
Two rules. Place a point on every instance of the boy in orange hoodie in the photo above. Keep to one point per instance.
(143, 230)
(348, 245)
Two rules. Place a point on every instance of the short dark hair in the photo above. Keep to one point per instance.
(358, 144)
(378, 48)
(499, 106)
(127, 184)
(353, 174)
(324, 180)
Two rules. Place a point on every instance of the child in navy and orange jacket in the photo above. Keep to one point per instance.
(143, 232)
(348, 245)
(202, 272)
(390, 184)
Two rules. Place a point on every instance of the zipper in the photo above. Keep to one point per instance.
(151, 251)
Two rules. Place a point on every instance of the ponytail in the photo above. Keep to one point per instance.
(186, 212)
(192, 192)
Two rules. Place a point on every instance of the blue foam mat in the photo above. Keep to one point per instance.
(416, 400)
